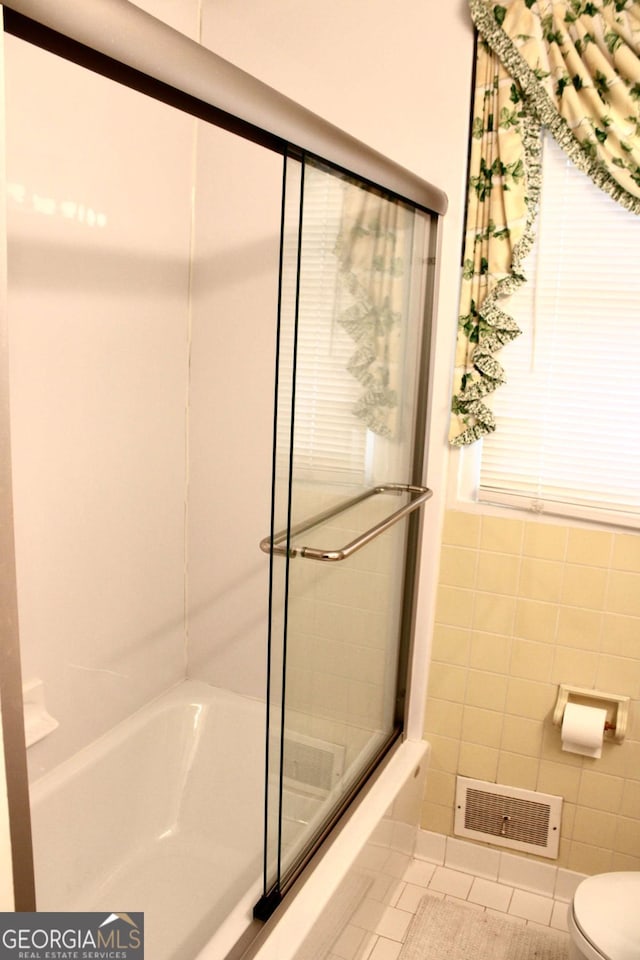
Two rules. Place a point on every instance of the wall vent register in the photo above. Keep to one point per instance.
(310, 764)
(508, 816)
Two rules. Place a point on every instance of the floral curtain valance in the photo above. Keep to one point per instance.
(570, 66)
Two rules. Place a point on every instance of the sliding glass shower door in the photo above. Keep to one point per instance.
(142, 268)
(347, 488)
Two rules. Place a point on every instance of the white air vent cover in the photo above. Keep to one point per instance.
(310, 764)
(508, 816)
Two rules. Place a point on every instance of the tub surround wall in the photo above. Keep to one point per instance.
(233, 337)
(99, 207)
(524, 605)
(100, 355)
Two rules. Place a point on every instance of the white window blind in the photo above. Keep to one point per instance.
(330, 443)
(568, 420)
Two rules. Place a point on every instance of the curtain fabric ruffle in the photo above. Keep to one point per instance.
(373, 250)
(574, 68)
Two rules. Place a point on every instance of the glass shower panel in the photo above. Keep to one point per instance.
(143, 254)
(345, 455)
(280, 508)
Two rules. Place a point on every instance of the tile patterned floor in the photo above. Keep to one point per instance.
(375, 935)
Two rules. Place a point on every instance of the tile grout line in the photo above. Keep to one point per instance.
(550, 904)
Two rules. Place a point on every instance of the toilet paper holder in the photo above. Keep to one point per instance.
(617, 707)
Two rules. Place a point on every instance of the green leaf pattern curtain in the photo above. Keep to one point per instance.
(373, 247)
(574, 68)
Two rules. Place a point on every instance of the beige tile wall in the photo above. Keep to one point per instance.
(522, 607)
(343, 625)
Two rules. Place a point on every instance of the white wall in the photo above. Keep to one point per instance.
(396, 76)
(234, 316)
(99, 219)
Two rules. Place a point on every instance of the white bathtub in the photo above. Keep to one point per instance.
(164, 814)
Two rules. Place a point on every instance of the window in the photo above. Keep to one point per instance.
(568, 421)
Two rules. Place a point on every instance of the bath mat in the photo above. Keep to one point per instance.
(442, 930)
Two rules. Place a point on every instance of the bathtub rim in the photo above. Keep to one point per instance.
(185, 693)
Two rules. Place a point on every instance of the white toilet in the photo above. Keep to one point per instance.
(604, 918)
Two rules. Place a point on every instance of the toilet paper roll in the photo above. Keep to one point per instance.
(583, 729)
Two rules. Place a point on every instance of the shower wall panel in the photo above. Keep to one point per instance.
(99, 198)
(232, 368)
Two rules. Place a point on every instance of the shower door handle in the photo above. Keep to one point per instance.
(281, 539)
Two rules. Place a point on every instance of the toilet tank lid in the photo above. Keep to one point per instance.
(607, 910)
